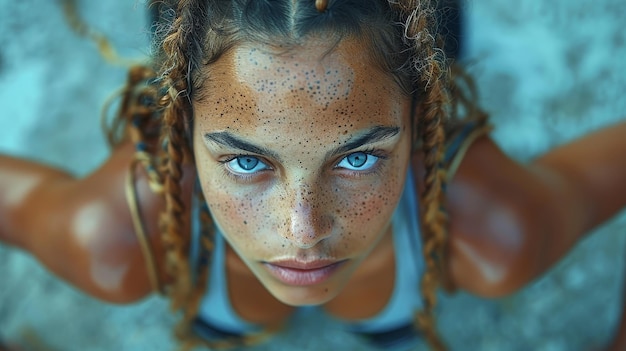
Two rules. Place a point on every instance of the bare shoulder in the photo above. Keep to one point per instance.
(85, 233)
(500, 222)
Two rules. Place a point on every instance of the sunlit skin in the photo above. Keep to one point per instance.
(326, 147)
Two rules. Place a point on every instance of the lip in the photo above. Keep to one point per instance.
(298, 273)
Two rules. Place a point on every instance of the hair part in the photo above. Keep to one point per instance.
(223, 25)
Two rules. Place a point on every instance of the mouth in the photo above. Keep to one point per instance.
(297, 273)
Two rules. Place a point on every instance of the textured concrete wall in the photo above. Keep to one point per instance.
(547, 71)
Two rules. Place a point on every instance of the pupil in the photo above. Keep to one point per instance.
(247, 163)
(357, 159)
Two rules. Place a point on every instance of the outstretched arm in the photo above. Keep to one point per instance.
(80, 229)
(510, 223)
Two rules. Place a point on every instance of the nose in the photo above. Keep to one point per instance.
(309, 223)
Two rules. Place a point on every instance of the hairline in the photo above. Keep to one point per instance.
(284, 46)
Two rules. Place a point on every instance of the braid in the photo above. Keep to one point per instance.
(429, 63)
(433, 217)
(182, 49)
(176, 243)
(177, 112)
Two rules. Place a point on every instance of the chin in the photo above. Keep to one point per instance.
(296, 287)
(297, 296)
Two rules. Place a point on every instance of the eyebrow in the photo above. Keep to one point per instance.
(229, 140)
(372, 135)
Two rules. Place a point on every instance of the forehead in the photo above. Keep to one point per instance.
(322, 80)
(316, 86)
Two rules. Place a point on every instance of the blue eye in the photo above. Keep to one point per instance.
(358, 161)
(246, 164)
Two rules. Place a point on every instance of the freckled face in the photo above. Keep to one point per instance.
(302, 158)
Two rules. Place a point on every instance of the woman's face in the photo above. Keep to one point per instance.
(302, 157)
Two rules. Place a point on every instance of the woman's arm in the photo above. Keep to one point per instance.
(510, 223)
(81, 229)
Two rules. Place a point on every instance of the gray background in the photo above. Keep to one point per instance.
(548, 71)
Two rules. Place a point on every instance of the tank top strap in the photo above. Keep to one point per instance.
(459, 138)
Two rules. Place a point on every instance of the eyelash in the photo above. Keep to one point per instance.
(239, 177)
(380, 154)
(247, 178)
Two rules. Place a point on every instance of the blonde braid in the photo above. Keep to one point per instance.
(176, 243)
(180, 48)
(430, 66)
(176, 110)
(434, 218)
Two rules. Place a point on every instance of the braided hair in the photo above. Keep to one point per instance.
(403, 38)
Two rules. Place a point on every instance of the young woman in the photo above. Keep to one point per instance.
(297, 139)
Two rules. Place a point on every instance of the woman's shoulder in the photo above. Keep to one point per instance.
(495, 212)
(86, 233)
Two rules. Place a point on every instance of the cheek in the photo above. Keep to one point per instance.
(242, 221)
(238, 215)
(366, 211)
(234, 211)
